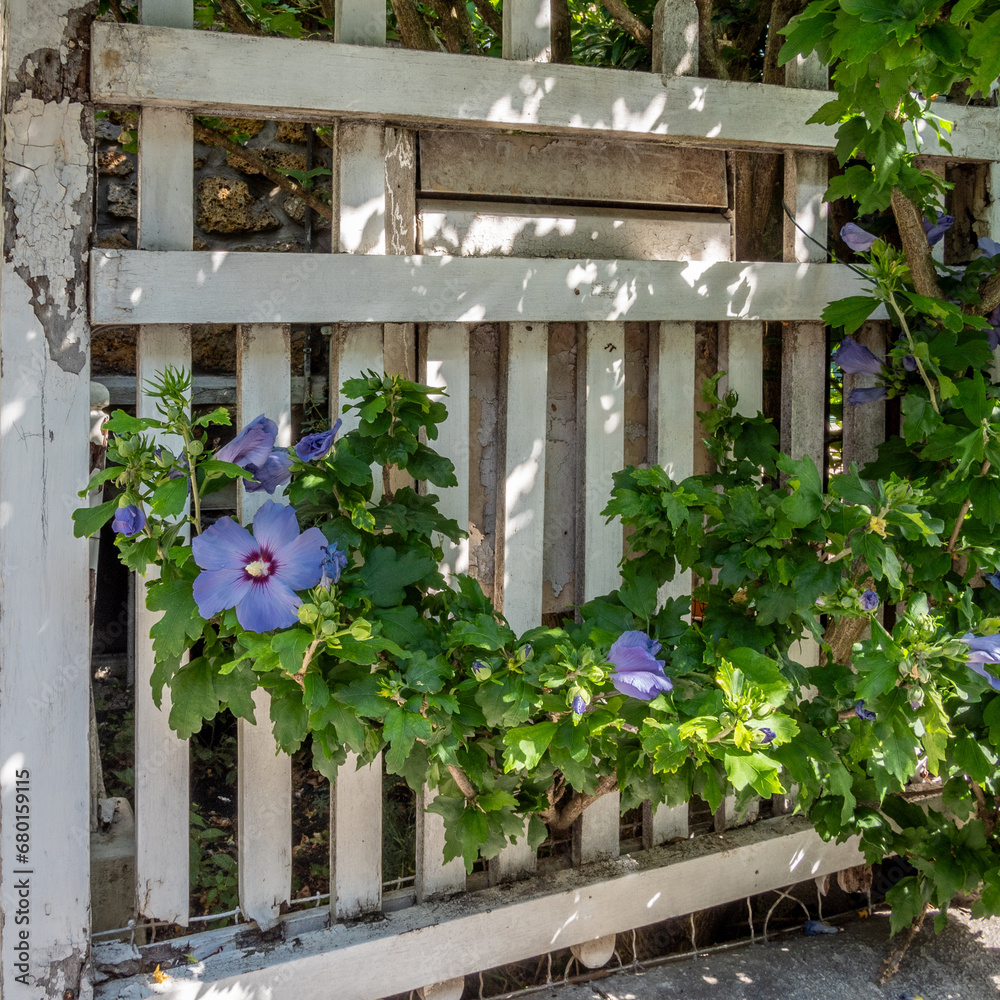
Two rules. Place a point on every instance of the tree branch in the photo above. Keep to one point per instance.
(627, 21)
(236, 20)
(213, 138)
(414, 31)
(965, 510)
(561, 26)
(709, 63)
(573, 810)
(460, 779)
(910, 224)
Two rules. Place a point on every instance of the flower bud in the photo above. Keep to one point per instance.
(481, 671)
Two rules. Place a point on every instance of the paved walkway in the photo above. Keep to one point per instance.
(961, 963)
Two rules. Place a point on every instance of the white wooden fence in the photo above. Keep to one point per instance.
(446, 254)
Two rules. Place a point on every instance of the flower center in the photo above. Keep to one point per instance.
(258, 568)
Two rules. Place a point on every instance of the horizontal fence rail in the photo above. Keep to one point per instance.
(224, 73)
(133, 286)
(497, 926)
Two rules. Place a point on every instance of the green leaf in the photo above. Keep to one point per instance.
(88, 521)
(805, 503)
(907, 903)
(527, 744)
(484, 632)
(851, 312)
(753, 769)
(192, 698)
(290, 719)
(984, 45)
(985, 495)
(386, 573)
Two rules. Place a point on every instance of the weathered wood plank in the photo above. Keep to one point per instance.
(527, 30)
(47, 197)
(741, 345)
(663, 824)
(522, 528)
(356, 839)
(264, 796)
(162, 800)
(166, 200)
(502, 925)
(435, 877)
(675, 38)
(864, 426)
(130, 286)
(447, 367)
(213, 72)
(359, 22)
(472, 164)
(484, 229)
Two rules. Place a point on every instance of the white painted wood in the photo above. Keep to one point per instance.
(129, 286)
(675, 38)
(447, 368)
(162, 801)
(524, 508)
(595, 834)
(745, 364)
(44, 571)
(663, 824)
(359, 22)
(806, 180)
(675, 419)
(482, 229)
(527, 30)
(807, 73)
(728, 816)
(804, 368)
(361, 187)
(483, 164)
(515, 861)
(208, 390)
(209, 71)
(263, 355)
(356, 839)
(494, 927)
(435, 877)
(358, 350)
(166, 211)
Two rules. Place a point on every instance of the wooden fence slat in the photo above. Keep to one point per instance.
(435, 877)
(741, 344)
(162, 801)
(264, 796)
(447, 367)
(864, 426)
(527, 30)
(494, 165)
(359, 22)
(45, 679)
(675, 38)
(230, 74)
(131, 286)
(356, 839)
(165, 222)
(524, 478)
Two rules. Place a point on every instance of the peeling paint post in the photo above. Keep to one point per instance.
(44, 457)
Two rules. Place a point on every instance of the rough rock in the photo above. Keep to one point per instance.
(291, 132)
(276, 158)
(123, 201)
(295, 208)
(227, 206)
(248, 126)
(113, 240)
(114, 163)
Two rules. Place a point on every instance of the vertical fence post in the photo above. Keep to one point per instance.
(264, 797)
(44, 457)
(166, 210)
(360, 189)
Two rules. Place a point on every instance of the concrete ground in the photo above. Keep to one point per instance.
(961, 963)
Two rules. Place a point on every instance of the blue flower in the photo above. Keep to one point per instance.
(334, 562)
(318, 445)
(858, 397)
(936, 230)
(983, 649)
(989, 247)
(993, 578)
(637, 673)
(579, 705)
(869, 600)
(766, 735)
(862, 713)
(273, 473)
(855, 359)
(856, 238)
(909, 363)
(129, 520)
(993, 333)
(252, 445)
(257, 574)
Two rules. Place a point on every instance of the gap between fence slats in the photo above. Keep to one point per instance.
(165, 222)
(264, 795)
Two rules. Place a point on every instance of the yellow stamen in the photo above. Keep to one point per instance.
(877, 524)
(259, 567)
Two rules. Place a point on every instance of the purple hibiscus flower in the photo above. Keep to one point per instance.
(252, 445)
(638, 673)
(334, 563)
(936, 230)
(579, 704)
(983, 649)
(855, 359)
(766, 735)
(257, 574)
(876, 394)
(129, 520)
(993, 578)
(856, 238)
(989, 247)
(273, 473)
(993, 333)
(318, 445)
(869, 600)
(862, 713)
